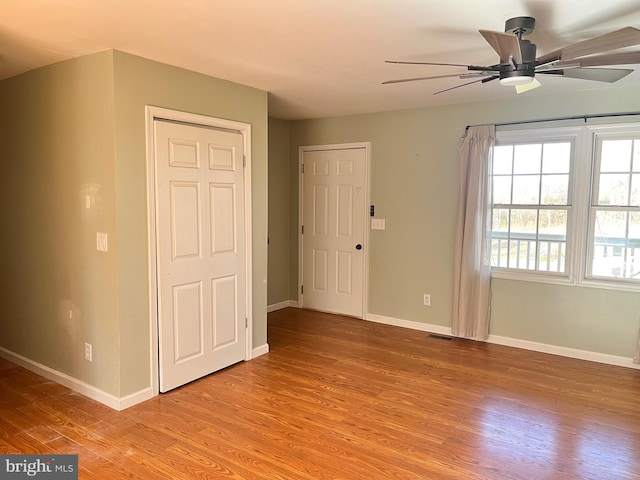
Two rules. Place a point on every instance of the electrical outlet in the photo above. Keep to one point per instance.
(88, 352)
(426, 299)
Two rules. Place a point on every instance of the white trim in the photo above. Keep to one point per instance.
(365, 213)
(396, 322)
(515, 343)
(152, 114)
(152, 251)
(136, 398)
(583, 185)
(83, 388)
(261, 350)
(564, 351)
(280, 305)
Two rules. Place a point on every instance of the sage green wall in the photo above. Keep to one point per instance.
(74, 129)
(279, 207)
(56, 125)
(140, 82)
(414, 175)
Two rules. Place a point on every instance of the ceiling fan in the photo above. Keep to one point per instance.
(518, 63)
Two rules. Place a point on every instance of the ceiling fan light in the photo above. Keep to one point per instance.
(516, 80)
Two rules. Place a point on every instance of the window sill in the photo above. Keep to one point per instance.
(521, 276)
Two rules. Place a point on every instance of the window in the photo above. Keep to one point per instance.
(566, 205)
(531, 205)
(615, 209)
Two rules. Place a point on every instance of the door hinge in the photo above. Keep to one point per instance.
(302, 289)
(303, 168)
(302, 230)
(246, 322)
(244, 161)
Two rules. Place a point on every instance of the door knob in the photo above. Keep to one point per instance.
(359, 246)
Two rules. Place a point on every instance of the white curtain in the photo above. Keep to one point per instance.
(472, 287)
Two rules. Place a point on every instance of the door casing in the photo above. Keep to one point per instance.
(365, 214)
(158, 113)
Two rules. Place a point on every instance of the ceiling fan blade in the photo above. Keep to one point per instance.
(609, 75)
(427, 63)
(483, 80)
(527, 86)
(505, 44)
(473, 68)
(403, 80)
(625, 37)
(628, 58)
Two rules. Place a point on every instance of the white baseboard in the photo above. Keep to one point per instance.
(424, 327)
(281, 305)
(120, 403)
(564, 351)
(514, 342)
(77, 385)
(135, 398)
(261, 350)
(94, 393)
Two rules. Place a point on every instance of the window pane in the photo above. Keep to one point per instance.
(526, 176)
(609, 241)
(636, 155)
(614, 189)
(611, 226)
(522, 251)
(526, 189)
(555, 190)
(552, 225)
(502, 159)
(633, 261)
(500, 221)
(524, 223)
(616, 156)
(551, 256)
(556, 157)
(522, 254)
(499, 234)
(552, 235)
(499, 252)
(502, 189)
(527, 158)
(634, 228)
(635, 190)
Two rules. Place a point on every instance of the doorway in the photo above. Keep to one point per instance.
(199, 215)
(333, 235)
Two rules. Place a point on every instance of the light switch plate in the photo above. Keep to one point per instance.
(102, 242)
(377, 224)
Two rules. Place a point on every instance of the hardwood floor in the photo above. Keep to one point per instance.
(340, 398)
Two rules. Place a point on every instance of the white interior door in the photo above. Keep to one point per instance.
(334, 198)
(201, 267)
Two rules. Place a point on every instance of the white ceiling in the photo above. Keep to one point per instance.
(316, 58)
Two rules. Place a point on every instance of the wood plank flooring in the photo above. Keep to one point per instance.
(341, 398)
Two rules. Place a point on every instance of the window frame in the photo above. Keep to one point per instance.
(523, 136)
(580, 211)
(600, 134)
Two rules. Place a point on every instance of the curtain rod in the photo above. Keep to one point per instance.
(557, 119)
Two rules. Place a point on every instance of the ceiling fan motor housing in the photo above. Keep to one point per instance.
(520, 26)
(518, 76)
(524, 70)
(523, 73)
(528, 50)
